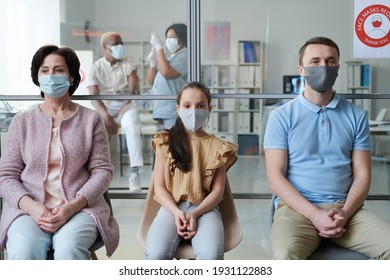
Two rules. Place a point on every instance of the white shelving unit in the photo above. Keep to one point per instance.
(359, 82)
(249, 111)
(137, 52)
(237, 120)
(221, 79)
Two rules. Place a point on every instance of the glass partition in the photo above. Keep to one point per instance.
(248, 56)
(247, 51)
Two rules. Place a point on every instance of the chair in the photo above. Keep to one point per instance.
(99, 241)
(232, 228)
(381, 115)
(326, 250)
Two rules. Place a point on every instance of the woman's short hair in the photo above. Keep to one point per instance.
(180, 30)
(71, 60)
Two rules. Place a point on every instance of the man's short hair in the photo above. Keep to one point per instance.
(106, 36)
(318, 40)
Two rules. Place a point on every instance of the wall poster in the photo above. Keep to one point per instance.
(217, 41)
(371, 29)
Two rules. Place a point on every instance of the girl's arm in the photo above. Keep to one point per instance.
(165, 198)
(216, 194)
(161, 193)
(209, 203)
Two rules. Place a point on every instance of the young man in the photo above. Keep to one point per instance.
(318, 157)
(113, 75)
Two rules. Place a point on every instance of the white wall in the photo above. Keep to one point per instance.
(24, 27)
(283, 26)
(74, 15)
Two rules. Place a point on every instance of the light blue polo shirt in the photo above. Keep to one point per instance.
(166, 109)
(319, 141)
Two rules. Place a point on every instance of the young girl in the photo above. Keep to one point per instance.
(189, 181)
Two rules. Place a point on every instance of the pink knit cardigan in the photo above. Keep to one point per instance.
(86, 168)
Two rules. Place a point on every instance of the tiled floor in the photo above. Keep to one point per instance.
(246, 176)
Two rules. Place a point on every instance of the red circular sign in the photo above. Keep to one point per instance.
(372, 26)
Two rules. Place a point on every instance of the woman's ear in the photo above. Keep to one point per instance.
(177, 108)
(71, 79)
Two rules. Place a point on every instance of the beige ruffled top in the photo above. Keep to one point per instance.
(208, 154)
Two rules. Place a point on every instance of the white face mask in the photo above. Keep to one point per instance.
(193, 119)
(172, 44)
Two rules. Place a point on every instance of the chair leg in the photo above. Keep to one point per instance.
(388, 173)
(120, 154)
(94, 256)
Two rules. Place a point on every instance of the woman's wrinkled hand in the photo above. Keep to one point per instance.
(59, 216)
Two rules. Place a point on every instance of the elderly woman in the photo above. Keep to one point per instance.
(55, 169)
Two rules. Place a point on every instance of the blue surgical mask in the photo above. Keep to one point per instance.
(193, 119)
(54, 85)
(117, 51)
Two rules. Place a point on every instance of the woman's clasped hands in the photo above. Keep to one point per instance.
(51, 219)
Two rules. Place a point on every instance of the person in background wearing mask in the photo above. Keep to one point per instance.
(318, 158)
(55, 169)
(189, 180)
(114, 75)
(168, 75)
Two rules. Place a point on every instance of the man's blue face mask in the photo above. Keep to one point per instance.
(117, 51)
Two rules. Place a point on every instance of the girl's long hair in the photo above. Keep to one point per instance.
(178, 140)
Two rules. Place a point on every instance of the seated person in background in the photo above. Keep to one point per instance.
(114, 75)
(189, 181)
(318, 158)
(55, 169)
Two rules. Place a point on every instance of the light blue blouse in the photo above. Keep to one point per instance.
(166, 109)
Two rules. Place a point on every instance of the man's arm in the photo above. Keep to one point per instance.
(276, 162)
(361, 173)
(133, 82)
(109, 121)
(98, 104)
(133, 87)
